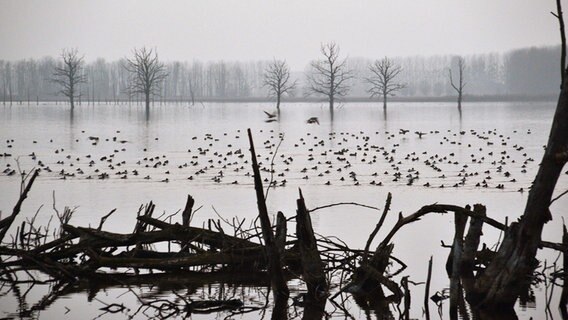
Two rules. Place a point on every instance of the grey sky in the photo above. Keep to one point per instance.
(262, 29)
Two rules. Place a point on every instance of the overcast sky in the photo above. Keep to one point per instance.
(262, 29)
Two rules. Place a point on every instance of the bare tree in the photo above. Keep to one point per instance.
(69, 75)
(382, 79)
(329, 76)
(461, 84)
(146, 74)
(277, 79)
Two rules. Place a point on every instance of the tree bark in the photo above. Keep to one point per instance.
(515, 261)
(312, 265)
(564, 294)
(274, 266)
(453, 265)
(7, 222)
(147, 96)
(427, 290)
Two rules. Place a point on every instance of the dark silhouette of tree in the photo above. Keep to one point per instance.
(382, 79)
(7, 80)
(510, 271)
(277, 80)
(146, 74)
(329, 76)
(69, 75)
(461, 84)
(558, 16)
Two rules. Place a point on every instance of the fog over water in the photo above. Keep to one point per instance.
(260, 30)
(120, 103)
(335, 161)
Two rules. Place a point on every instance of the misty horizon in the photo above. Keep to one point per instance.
(258, 30)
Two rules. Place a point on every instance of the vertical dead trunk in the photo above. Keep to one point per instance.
(404, 284)
(147, 104)
(7, 222)
(453, 265)
(312, 265)
(471, 244)
(10, 92)
(512, 268)
(427, 290)
(281, 231)
(71, 93)
(515, 261)
(274, 262)
(187, 211)
(93, 95)
(560, 17)
(564, 294)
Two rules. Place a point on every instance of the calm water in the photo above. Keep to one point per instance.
(107, 157)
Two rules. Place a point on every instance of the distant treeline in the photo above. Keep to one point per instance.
(528, 71)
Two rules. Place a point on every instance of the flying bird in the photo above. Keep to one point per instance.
(270, 115)
(313, 120)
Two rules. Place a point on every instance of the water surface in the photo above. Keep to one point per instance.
(359, 155)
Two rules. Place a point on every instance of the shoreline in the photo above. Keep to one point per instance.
(466, 98)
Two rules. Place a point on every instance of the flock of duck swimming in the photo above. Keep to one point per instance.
(434, 159)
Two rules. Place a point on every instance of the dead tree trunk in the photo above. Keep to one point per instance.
(311, 261)
(427, 290)
(564, 294)
(7, 222)
(471, 243)
(453, 265)
(186, 214)
(274, 261)
(511, 269)
(281, 231)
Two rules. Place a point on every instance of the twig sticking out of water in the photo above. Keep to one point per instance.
(7, 222)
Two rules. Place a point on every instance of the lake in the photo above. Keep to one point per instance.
(111, 156)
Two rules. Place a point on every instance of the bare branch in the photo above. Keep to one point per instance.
(560, 18)
(69, 75)
(329, 76)
(461, 84)
(147, 74)
(382, 79)
(277, 79)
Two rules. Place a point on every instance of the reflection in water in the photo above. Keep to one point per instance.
(376, 304)
(176, 128)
